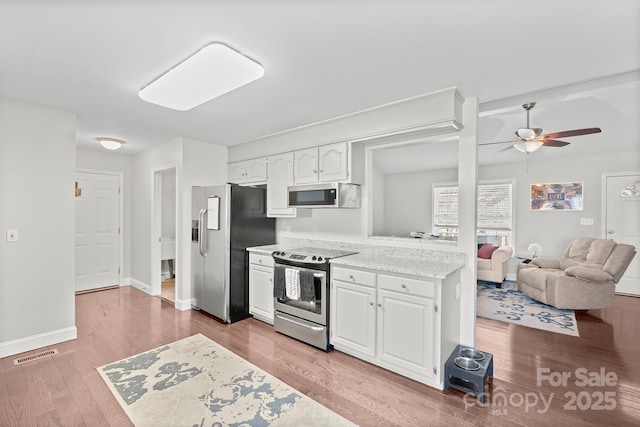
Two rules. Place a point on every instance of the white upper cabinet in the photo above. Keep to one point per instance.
(333, 160)
(305, 166)
(252, 171)
(237, 173)
(279, 178)
(342, 161)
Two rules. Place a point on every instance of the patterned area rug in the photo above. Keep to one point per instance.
(195, 382)
(510, 305)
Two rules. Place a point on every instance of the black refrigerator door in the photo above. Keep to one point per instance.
(249, 227)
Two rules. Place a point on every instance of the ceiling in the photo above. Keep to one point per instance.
(579, 60)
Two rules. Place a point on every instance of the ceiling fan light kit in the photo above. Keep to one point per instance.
(527, 146)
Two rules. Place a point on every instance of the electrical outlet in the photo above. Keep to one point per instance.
(586, 221)
(12, 235)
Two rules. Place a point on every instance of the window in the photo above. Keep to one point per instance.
(495, 207)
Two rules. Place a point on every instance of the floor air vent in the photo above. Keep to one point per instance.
(36, 356)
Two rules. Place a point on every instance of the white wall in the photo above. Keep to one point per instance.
(197, 163)
(204, 164)
(164, 156)
(407, 200)
(553, 230)
(37, 167)
(169, 204)
(111, 162)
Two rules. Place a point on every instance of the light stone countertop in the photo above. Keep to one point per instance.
(426, 263)
(434, 268)
(268, 249)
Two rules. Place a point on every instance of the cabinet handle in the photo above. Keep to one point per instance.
(380, 305)
(351, 277)
(315, 171)
(260, 261)
(371, 303)
(404, 286)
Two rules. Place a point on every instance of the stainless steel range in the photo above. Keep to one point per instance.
(301, 293)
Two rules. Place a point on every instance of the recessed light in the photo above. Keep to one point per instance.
(212, 71)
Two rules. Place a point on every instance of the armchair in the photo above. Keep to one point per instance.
(493, 269)
(583, 278)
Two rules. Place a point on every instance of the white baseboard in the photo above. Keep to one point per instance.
(140, 285)
(33, 342)
(182, 304)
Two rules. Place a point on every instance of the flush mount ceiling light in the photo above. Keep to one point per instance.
(212, 71)
(110, 143)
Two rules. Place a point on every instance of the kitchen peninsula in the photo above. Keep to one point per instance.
(395, 307)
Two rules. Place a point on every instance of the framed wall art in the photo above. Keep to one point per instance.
(562, 196)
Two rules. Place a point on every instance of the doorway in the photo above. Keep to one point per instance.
(97, 230)
(163, 270)
(621, 210)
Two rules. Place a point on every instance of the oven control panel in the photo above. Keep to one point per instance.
(296, 257)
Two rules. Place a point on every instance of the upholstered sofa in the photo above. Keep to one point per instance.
(583, 278)
(493, 269)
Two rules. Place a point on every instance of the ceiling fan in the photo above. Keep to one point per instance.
(530, 139)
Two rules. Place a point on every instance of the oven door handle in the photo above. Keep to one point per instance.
(313, 328)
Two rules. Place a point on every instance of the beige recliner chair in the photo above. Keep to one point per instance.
(495, 268)
(583, 278)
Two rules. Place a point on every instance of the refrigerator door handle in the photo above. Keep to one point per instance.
(201, 236)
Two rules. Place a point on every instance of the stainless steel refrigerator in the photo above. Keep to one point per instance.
(225, 220)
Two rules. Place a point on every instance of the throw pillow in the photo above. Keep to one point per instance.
(486, 251)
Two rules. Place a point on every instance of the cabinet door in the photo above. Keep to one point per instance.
(256, 170)
(237, 173)
(261, 292)
(305, 166)
(279, 178)
(333, 161)
(353, 318)
(406, 332)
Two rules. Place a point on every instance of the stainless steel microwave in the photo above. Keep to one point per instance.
(328, 195)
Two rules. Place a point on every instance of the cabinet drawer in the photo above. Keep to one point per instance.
(353, 276)
(423, 288)
(266, 260)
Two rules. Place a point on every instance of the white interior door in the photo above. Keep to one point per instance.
(97, 226)
(622, 224)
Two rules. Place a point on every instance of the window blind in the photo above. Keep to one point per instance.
(495, 206)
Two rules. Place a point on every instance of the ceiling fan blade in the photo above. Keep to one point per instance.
(568, 133)
(494, 143)
(554, 143)
(505, 149)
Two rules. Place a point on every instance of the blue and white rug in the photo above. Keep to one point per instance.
(195, 382)
(510, 305)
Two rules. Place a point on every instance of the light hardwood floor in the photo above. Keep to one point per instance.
(65, 389)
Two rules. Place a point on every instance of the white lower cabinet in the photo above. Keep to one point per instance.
(394, 320)
(353, 317)
(406, 338)
(261, 287)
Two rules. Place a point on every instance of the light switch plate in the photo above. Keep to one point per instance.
(12, 235)
(586, 221)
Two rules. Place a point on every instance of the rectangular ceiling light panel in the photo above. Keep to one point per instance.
(212, 71)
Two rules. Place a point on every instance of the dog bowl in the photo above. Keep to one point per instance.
(466, 363)
(471, 353)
